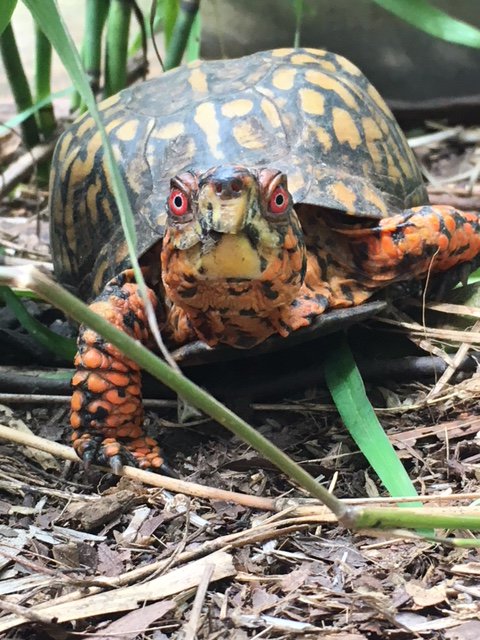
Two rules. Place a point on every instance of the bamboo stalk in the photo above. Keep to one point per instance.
(43, 89)
(117, 46)
(186, 15)
(19, 84)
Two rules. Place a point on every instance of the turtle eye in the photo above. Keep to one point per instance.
(278, 201)
(177, 203)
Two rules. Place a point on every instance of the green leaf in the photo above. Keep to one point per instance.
(64, 348)
(348, 392)
(422, 15)
(6, 13)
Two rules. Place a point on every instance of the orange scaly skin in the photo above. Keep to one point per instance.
(106, 408)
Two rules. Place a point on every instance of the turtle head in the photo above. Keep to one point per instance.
(233, 245)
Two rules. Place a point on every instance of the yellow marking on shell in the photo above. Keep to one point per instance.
(233, 257)
(270, 112)
(327, 65)
(324, 138)
(392, 169)
(379, 101)
(107, 210)
(406, 167)
(64, 144)
(331, 84)
(371, 129)
(302, 58)
(375, 154)
(99, 280)
(206, 119)
(344, 195)
(109, 102)
(198, 80)
(87, 124)
(92, 193)
(169, 131)
(135, 173)
(283, 79)
(127, 131)
(79, 168)
(316, 52)
(312, 101)
(248, 137)
(384, 125)
(348, 66)
(296, 181)
(121, 253)
(237, 108)
(113, 124)
(373, 197)
(69, 229)
(345, 128)
(281, 53)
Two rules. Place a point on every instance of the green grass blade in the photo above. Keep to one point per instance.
(424, 16)
(26, 113)
(348, 392)
(64, 348)
(7, 9)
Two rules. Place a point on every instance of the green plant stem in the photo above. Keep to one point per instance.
(117, 46)
(181, 31)
(372, 518)
(43, 65)
(48, 290)
(96, 12)
(19, 84)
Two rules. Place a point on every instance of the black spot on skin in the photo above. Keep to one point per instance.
(188, 293)
(201, 270)
(322, 300)
(269, 292)
(121, 392)
(263, 263)
(189, 278)
(100, 414)
(347, 292)
(129, 320)
(249, 313)
(252, 234)
(235, 292)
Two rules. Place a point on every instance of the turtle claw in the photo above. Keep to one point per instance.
(142, 453)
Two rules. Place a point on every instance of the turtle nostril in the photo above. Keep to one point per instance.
(236, 185)
(218, 187)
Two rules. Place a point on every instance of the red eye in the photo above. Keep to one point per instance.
(278, 200)
(177, 202)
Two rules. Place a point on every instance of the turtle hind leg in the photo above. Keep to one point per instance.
(421, 241)
(106, 408)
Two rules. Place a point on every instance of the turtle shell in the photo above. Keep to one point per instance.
(307, 112)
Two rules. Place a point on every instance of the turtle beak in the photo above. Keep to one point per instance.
(225, 197)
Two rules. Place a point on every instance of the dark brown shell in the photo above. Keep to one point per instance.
(309, 113)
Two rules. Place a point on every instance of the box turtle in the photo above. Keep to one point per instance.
(267, 190)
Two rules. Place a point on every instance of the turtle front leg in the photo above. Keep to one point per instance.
(422, 240)
(106, 407)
